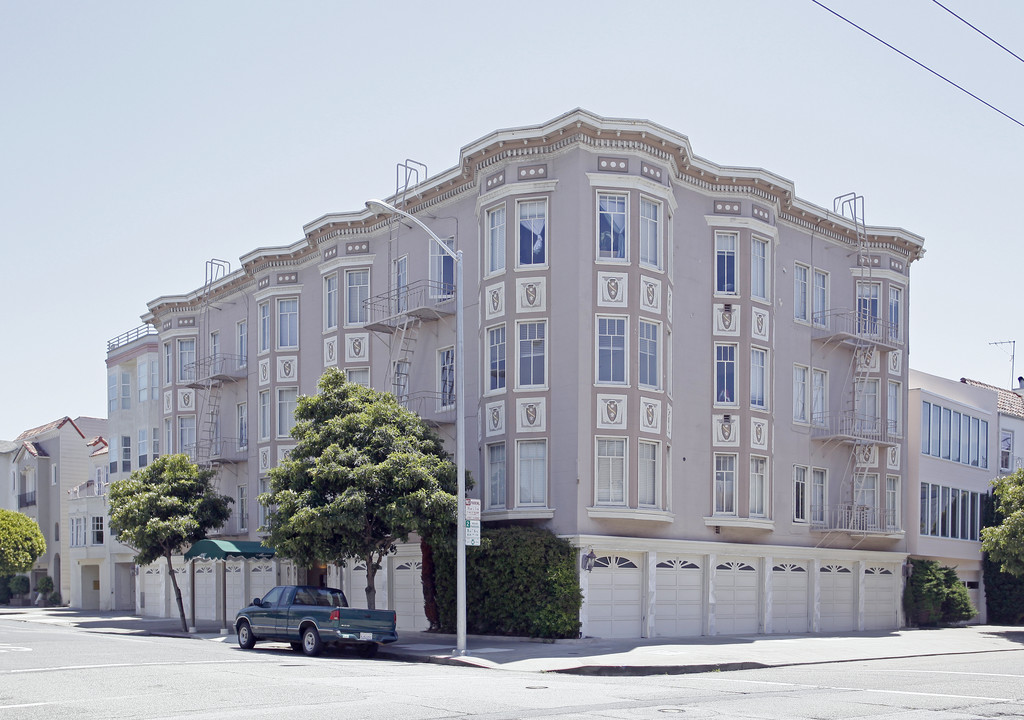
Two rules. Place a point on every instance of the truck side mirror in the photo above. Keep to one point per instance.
(257, 602)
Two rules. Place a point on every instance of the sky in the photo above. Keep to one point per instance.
(139, 140)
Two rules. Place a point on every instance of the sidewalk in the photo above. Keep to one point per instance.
(599, 656)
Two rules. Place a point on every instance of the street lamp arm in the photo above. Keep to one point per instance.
(382, 208)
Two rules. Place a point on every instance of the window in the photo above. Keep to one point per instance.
(126, 390)
(242, 425)
(725, 484)
(611, 227)
(331, 302)
(531, 354)
(1005, 450)
(242, 343)
(126, 453)
(187, 435)
(496, 239)
(187, 360)
(800, 273)
(359, 376)
(243, 508)
(168, 363)
(648, 347)
(446, 367)
(496, 476)
(648, 478)
(496, 358)
(287, 323)
(400, 272)
(759, 268)
(97, 530)
(442, 271)
(725, 374)
(867, 307)
(262, 510)
(820, 298)
(725, 263)
(218, 361)
(819, 479)
(53, 474)
(143, 449)
(154, 379)
(156, 443)
(611, 471)
(286, 401)
(892, 502)
(611, 350)
(142, 372)
(532, 232)
(112, 454)
(264, 416)
(263, 330)
(650, 233)
(894, 402)
(865, 405)
(799, 393)
(758, 376)
(758, 487)
(532, 472)
(799, 493)
(895, 314)
(357, 292)
(819, 397)
(112, 392)
(168, 435)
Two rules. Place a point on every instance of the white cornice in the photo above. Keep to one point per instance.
(749, 223)
(346, 262)
(530, 187)
(633, 182)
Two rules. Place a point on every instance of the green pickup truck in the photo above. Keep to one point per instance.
(311, 617)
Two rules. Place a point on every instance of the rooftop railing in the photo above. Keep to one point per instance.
(130, 336)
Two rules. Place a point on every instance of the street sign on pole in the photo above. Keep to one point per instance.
(472, 521)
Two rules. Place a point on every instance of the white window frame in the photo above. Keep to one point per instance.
(619, 210)
(896, 313)
(263, 415)
(1005, 450)
(645, 357)
(530, 203)
(497, 238)
(142, 451)
(287, 322)
(112, 398)
(442, 270)
(867, 404)
(356, 295)
(242, 425)
(759, 378)
(891, 504)
(331, 301)
(869, 301)
(801, 494)
(187, 435)
(532, 343)
(604, 374)
(400, 282)
(126, 390)
(168, 363)
(801, 393)
(760, 489)
(263, 327)
(651, 232)
(894, 406)
(724, 484)
(242, 342)
(819, 298)
(610, 471)
(801, 292)
(648, 473)
(96, 535)
(446, 377)
(819, 495)
(819, 396)
(169, 435)
(725, 371)
(242, 495)
(497, 474)
(760, 269)
(726, 251)
(496, 370)
(539, 463)
(142, 380)
(284, 401)
(358, 375)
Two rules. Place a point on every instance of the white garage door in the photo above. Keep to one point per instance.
(152, 591)
(408, 588)
(207, 601)
(614, 597)
(735, 593)
(262, 578)
(881, 590)
(679, 610)
(789, 598)
(837, 598)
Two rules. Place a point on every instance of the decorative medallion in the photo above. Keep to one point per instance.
(611, 411)
(727, 319)
(531, 415)
(264, 371)
(760, 321)
(727, 431)
(668, 305)
(168, 402)
(759, 433)
(357, 346)
(668, 422)
(530, 295)
(494, 304)
(612, 289)
(287, 368)
(282, 453)
(186, 400)
(867, 359)
(893, 457)
(264, 459)
(330, 351)
(866, 455)
(650, 294)
(494, 414)
(895, 362)
(650, 415)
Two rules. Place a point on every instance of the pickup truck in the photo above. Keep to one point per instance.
(311, 617)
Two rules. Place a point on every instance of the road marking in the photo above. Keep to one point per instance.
(104, 666)
(873, 690)
(26, 705)
(4, 647)
(958, 672)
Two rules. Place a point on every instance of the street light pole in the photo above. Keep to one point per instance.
(382, 208)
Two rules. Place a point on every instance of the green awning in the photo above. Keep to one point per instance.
(221, 549)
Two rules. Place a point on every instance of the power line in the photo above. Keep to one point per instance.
(920, 64)
(978, 30)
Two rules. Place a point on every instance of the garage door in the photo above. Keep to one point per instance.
(152, 591)
(880, 593)
(837, 598)
(207, 601)
(356, 593)
(735, 592)
(789, 598)
(679, 608)
(408, 588)
(614, 597)
(262, 578)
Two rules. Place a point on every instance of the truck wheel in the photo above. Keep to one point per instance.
(311, 642)
(368, 650)
(246, 640)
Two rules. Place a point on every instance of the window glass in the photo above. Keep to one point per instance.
(799, 393)
(820, 294)
(532, 472)
(286, 402)
(496, 239)
(758, 487)
(532, 232)
(725, 374)
(799, 493)
(357, 292)
(496, 475)
(446, 364)
(647, 473)
(331, 302)
(288, 323)
(611, 212)
(611, 471)
(496, 358)
(759, 268)
(648, 347)
(650, 233)
(531, 354)
(758, 370)
(611, 350)
(725, 263)
(800, 292)
(725, 484)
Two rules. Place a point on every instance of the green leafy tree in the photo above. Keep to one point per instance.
(21, 542)
(1004, 542)
(162, 509)
(934, 594)
(364, 474)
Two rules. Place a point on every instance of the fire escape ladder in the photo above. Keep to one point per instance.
(207, 366)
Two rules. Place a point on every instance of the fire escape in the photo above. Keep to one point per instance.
(399, 315)
(865, 335)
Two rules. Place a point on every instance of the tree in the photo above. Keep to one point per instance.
(21, 542)
(364, 474)
(1004, 542)
(160, 510)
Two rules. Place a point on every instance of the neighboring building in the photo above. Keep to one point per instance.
(8, 488)
(679, 366)
(50, 461)
(954, 455)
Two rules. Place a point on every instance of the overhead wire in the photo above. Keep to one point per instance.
(978, 30)
(920, 64)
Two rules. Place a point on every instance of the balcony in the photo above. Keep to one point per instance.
(856, 520)
(131, 336)
(26, 499)
(423, 299)
(216, 369)
(219, 451)
(854, 328)
(849, 427)
(427, 405)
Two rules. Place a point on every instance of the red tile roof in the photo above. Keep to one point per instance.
(1007, 401)
(55, 425)
(34, 449)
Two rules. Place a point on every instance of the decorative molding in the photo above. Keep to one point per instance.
(330, 351)
(727, 434)
(727, 319)
(758, 433)
(494, 301)
(611, 412)
(760, 324)
(186, 400)
(612, 289)
(287, 368)
(650, 294)
(357, 347)
(531, 414)
(264, 371)
(650, 415)
(531, 294)
(494, 418)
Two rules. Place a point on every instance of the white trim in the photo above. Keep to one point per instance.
(347, 262)
(733, 521)
(737, 222)
(621, 513)
(633, 182)
(276, 290)
(515, 188)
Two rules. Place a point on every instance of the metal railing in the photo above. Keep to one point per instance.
(851, 426)
(224, 450)
(853, 325)
(130, 336)
(426, 299)
(27, 499)
(218, 366)
(859, 519)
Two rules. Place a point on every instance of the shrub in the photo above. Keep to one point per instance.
(45, 585)
(54, 598)
(1004, 593)
(5, 589)
(934, 595)
(19, 584)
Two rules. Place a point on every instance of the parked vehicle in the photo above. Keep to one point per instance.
(311, 617)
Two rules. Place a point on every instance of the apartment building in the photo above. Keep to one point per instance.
(697, 377)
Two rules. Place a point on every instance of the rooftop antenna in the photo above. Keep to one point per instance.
(1013, 352)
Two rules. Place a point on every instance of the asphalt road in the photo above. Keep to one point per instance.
(59, 672)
